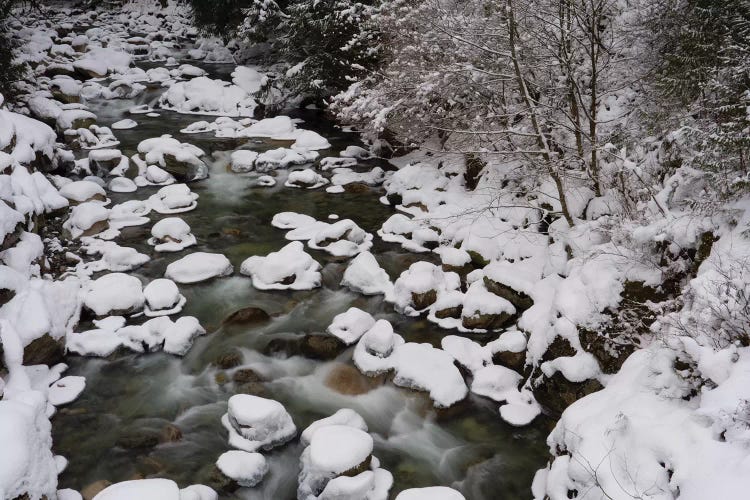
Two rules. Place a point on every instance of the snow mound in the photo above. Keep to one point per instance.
(173, 199)
(291, 268)
(248, 469)
(163, 298)
(114, 292)
(364, 275)
(349, 326)
(257, 423)
(199, 266)
(203, 95)
(171, 234)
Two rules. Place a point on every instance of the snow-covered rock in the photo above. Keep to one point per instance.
(257, 423)
(173, 199)
(364, 275)
(349, 326)
(247, 469)
(203, 95)
(114, 292)
(163, 298)
(199, 266)
(291, 268)
(171, 234)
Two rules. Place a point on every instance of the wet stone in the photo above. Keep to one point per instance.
(322, 346)
(247, 315)
(229, 359)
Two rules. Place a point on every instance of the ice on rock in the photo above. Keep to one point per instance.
(199, 266)
(308, 179)
(344, 416)
(154, 489)
(349, 326)
(430, 493)
(163, 298)
(125, 124)
(291, 268)
(66, 390)
(114, 292)
(373, 352)
(341, 239)
(364, 275)
(83, 191)
(171, 234)
(203, 95)
(243, 160)
(173, 199)
(86, 218)
(257, 423)
(247, 469)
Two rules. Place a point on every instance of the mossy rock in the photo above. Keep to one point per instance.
(520, 300)
(486, 321)
(423, 300)
(228, 359)
(247, 315)
(44, 351)
(321, 346)
(556, 393)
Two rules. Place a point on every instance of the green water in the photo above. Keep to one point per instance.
(468, 447)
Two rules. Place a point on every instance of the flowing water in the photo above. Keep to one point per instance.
(134, 397)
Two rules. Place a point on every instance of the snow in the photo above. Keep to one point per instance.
(249, 79)
(338, 448)
(243, 160)
(350, 325)
(290, 268)
(122, 185)
(125, 124)
(66, 390)
(283, 157)
(114, 292)
(343, 238)
(307, 178)
(202, 95)
(82, 191)
(162, 298)
(173, 199)
(307, 140)
(423, 367)
(254, 423)
(199, 266)
(163, 489)
(248, 469)
(171, 234)
(156, 150)
(373, 353)
(430, 493)
(84, 216)
(364, 275)
(344, 416)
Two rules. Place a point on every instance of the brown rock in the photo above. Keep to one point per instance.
(246, 375)
(321, 346)
(229, 359)
(43, 351)
(247, 315)
(170, 434)
(346, 379)
(423, 300)
(93, 489)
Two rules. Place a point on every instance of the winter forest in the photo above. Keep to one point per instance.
(375, 249)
